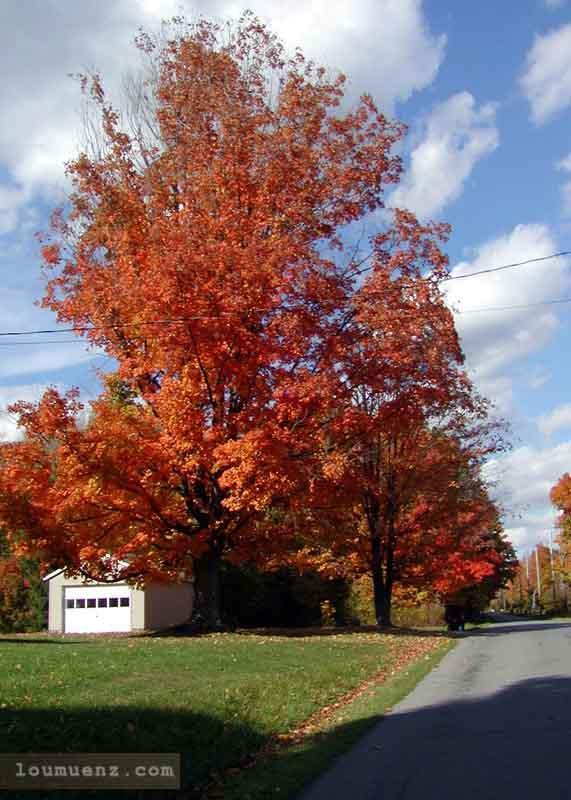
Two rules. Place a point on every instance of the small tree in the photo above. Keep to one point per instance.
(414, 515)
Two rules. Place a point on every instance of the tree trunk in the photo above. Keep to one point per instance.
(207, 608)
(382, 585)
(383, 609)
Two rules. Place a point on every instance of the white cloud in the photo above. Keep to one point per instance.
(523, 479)
(553, 4)
(385, 46)
(536, 531)
(499, 389)
(457, 134)
(556, 420)
(546, 81)
(12, 199)
(526, 475)
(494, 340)
(519, 537)
(42, 358)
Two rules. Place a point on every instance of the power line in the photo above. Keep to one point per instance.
(175, 320)
(485, 309)
(43, 341)
(557, 301)
(484, 271)
(507, 266)
(87, 328)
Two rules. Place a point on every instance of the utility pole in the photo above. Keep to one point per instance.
(551, 563)
(537, 573)
(527, 583)
(563, 586)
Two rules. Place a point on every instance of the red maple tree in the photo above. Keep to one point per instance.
(411, 511)
(408, 421)
(201, 249)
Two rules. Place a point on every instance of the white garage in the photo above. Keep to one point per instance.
(79, 606)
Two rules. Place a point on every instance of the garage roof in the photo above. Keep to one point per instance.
(53, 574)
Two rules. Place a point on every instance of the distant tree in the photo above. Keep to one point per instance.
(498, 553)
(560, 496)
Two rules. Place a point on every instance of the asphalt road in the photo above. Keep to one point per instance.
(492, 721)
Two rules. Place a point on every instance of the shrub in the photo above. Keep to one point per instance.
(23, 598)
(283, 598)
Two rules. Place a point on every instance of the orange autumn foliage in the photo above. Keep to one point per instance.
(201, 249)
(265, 367)
(438, 530)
(408, 420)
(560, 496)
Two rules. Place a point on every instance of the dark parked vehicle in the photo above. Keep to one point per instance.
(454, 617)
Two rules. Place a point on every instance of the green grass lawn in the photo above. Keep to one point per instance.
(216, 699)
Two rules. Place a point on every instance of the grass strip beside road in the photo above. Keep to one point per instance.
(284, 704)
(291, 762)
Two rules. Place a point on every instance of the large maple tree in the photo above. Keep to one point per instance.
(201, 248)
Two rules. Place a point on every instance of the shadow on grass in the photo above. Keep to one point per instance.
(391, 630)
(299, 633)
(203, 741)
(520, 734)
(208, 747)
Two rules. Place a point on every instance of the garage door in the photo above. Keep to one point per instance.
(97, 609)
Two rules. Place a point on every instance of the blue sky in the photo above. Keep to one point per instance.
(486, 91)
